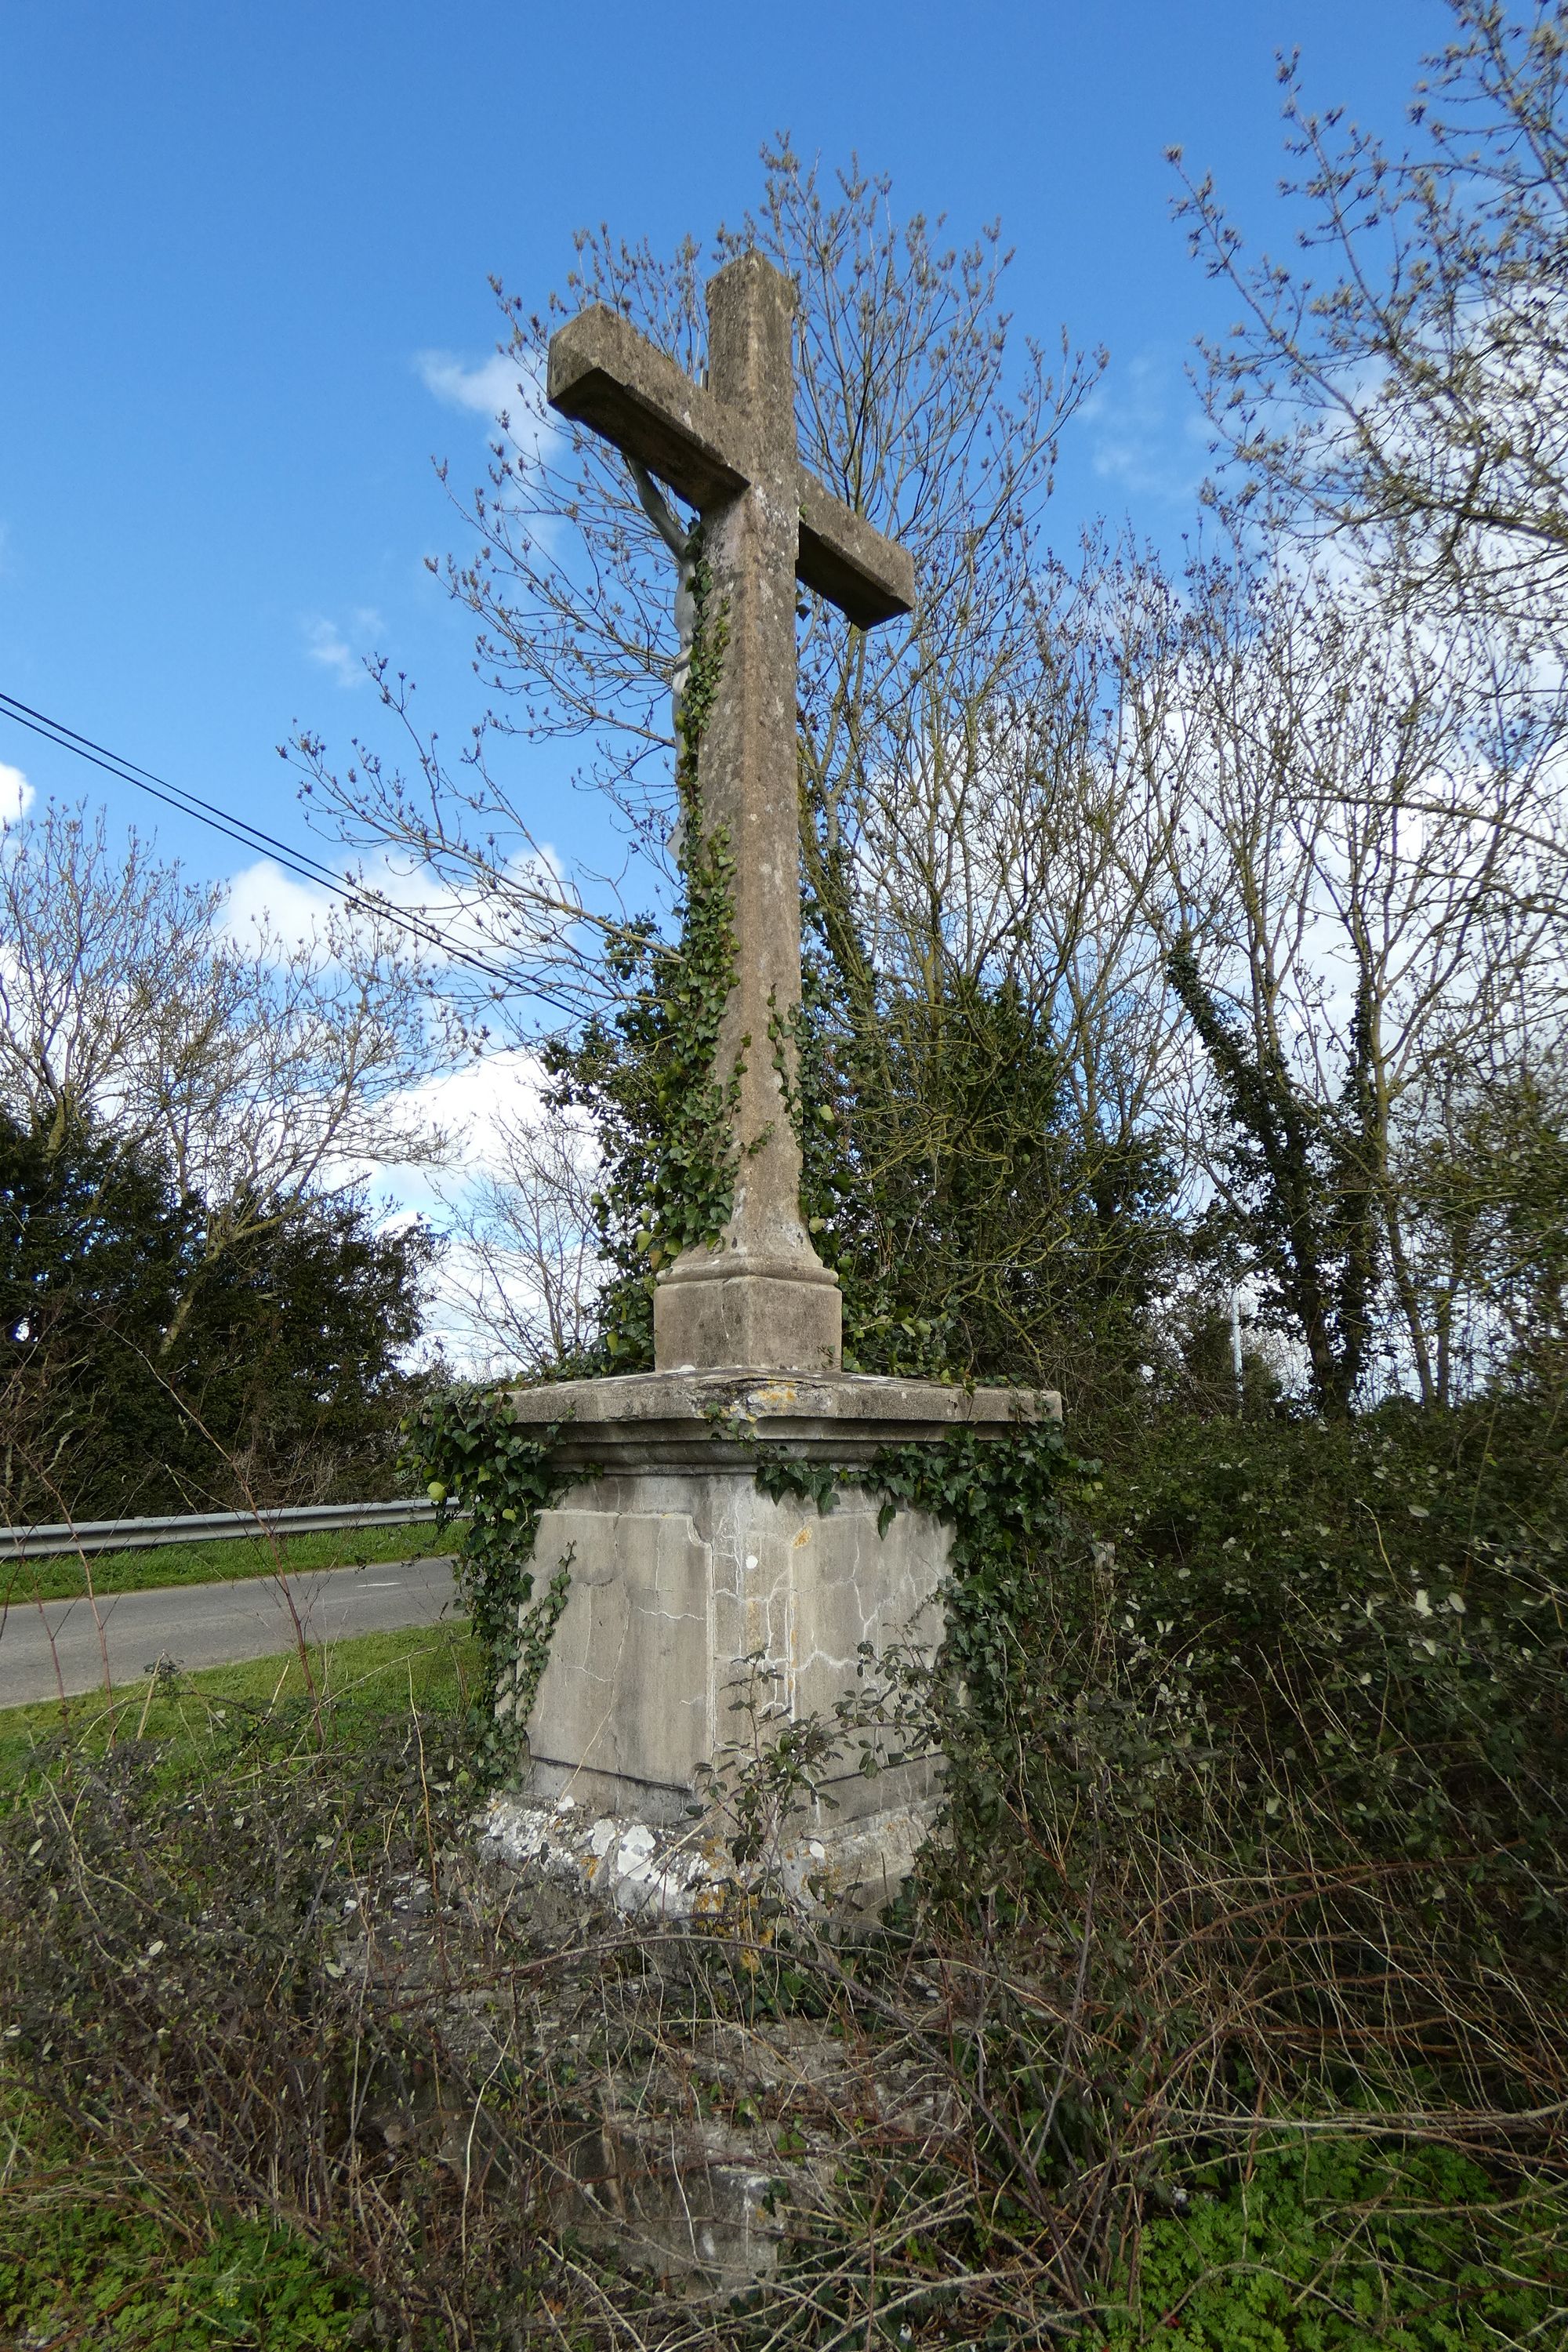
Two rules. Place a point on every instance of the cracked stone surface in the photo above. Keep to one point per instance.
(680, 1577)
(681, 1570)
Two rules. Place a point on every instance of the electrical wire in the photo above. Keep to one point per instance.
(295, 861)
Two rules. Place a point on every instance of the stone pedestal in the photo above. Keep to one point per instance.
(681, 1569)
(717, 1306)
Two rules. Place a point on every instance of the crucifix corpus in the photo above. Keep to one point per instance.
(759, 1297)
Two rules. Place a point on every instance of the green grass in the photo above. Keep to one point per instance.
(353, 1684)
(92, 2254)
(219, 1561)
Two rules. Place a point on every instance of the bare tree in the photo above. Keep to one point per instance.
(920, 405)
(95, 948)
(1415, 395)
(1344, 921)
(915, 407)
(1486, 1185)
(523, 1261)
(259, 1072)
(1009, 858)
(1256, 872)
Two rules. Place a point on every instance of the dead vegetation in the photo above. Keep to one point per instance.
(1233, 1985)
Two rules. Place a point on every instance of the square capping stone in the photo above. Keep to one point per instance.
(690, 1418)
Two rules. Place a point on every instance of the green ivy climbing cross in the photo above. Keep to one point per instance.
(745, 1286)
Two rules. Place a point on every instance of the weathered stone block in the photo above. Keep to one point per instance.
(682, 1568)
(705, 1313)
(677, 1577)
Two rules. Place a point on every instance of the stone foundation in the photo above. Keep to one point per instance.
(682, 1570)
(677, 1576)
(689, 1872)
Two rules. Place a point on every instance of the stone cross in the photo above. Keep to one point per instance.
(761, 1297)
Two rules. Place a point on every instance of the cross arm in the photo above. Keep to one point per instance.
(868, 577)
(606, 375)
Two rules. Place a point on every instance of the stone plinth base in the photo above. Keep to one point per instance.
(681, 1569)
(703, 1316)
(690, 1872)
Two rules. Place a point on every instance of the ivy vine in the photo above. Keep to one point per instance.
(474, 1456)
(649, 1075)
(649, 1078)
(999, 1495)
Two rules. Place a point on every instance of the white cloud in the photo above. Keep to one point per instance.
(17, 794)
(500, 386)
(342, 651)
(476, 1099)
(264, 895)
(332, 651)
(1147, 431)
(489, 1290)
(291, 911)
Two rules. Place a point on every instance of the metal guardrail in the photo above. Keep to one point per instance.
(200, 1527)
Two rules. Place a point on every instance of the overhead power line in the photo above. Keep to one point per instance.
(294, 860)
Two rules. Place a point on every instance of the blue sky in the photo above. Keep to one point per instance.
(231, 236)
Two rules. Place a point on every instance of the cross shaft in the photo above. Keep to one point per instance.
(761, 1297)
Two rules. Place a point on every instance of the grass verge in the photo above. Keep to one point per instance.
(354, 1686)
(220, 1561)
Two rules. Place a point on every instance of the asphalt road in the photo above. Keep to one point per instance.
(44, 1646)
